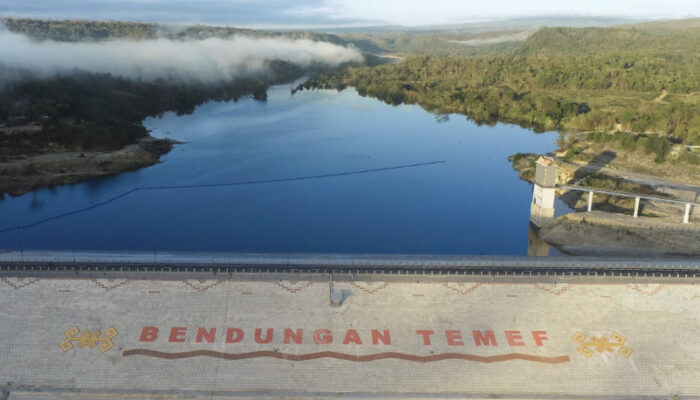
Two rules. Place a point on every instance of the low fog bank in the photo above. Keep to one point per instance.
(514, 37)
(207, 61)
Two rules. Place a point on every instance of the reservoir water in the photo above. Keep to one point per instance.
(473, 203)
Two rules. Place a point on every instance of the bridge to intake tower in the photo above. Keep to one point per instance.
(545, 186)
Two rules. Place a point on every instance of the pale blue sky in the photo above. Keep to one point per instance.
(311, 13)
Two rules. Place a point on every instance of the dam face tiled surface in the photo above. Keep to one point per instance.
(194, 338)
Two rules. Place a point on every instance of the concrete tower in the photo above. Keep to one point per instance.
(542, 207)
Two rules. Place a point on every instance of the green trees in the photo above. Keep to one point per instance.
(87, 111)
(581, 93)
(76, 30)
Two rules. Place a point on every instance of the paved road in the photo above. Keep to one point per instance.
(636, 177)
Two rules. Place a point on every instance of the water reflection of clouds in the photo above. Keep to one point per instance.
(347, 98)
(224, 117)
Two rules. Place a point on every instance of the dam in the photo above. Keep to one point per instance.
(345, 326)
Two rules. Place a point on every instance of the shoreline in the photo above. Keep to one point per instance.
(600, 233)
(25, 174)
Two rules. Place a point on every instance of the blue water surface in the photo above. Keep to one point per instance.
(472, 204)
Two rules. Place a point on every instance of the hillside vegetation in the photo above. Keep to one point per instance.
(83, 30)
(678, 38)
(100, 112)
(470, 39)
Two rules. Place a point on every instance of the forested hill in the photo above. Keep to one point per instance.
(670, 37)
(79, 30)
(534, 37)
(82, 30)
(677, 38)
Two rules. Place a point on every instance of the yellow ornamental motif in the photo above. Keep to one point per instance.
(89, 339)
(602, 345)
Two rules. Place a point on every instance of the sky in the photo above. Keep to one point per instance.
(340, 13)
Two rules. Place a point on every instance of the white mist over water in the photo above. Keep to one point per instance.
(210, 60)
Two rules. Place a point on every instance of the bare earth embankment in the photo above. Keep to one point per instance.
(22, 174)
(600, 233)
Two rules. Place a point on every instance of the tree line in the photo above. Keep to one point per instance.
(91, 111)
(586, 92)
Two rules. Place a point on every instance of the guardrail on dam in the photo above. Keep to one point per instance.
(333, 266)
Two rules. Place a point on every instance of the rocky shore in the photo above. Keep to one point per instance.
(23, 174)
